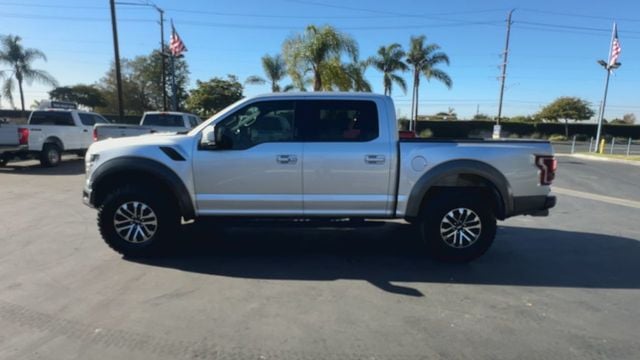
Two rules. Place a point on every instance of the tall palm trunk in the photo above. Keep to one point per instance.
(21, 92)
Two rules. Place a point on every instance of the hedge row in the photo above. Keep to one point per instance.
(466, 129)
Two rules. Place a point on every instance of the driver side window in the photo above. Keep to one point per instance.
(257, 123)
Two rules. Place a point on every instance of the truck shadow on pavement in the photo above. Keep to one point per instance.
(73, 166)
(391, 253)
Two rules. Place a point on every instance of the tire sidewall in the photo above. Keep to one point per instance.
(45, 160)
(166, 224)
(439, 206)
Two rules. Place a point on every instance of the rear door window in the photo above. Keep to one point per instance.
(87, 119)
(340, 120)
(59, 118)
(169, 120)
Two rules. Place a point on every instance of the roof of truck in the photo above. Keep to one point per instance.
(322, 94)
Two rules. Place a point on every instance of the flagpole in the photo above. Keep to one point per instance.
(173, 83)
(606, 89)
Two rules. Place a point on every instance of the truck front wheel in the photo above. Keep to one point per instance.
(136, 222)
(458, 225)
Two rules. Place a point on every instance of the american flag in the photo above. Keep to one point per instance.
(616, 49)
(176, 46)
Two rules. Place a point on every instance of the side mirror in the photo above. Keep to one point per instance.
(208, 140)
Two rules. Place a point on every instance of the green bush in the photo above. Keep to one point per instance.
(557, 137)
(535, 135)
(426, 133)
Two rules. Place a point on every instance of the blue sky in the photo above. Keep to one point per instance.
(554, 44)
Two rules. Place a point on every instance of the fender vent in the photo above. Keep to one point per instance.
(172, 153)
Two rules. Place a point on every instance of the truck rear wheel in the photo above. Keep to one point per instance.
(50, 155)
(458, 225)
(136, 222)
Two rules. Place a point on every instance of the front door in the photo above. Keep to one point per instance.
(259, 170)
(347, 159)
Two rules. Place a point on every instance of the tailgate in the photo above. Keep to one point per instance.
(106, 131)
(8, 135)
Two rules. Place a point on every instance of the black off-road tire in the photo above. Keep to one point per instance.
(167, 219)
(435, 229)
(51, 155)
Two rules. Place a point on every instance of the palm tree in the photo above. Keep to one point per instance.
(389, 61)
(423, 60)
(19, 60)
(318, 51)
(274, 68)
(355, 71)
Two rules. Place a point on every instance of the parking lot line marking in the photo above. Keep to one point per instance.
(596, 197)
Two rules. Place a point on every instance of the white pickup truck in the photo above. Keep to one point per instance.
(315, 155)
(151, 122)
(48, 134)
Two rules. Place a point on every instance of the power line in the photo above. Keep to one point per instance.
(578, 15)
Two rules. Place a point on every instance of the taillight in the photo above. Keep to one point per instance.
(548, 166)
(95, 134)
(407, 134)
(23, 136)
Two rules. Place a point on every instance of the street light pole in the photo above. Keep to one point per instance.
(116, 51)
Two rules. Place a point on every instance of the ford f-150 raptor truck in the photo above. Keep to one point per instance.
(314, 155)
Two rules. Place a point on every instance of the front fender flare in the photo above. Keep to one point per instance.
(130, 164)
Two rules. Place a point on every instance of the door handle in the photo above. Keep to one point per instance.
(286, 159)
(374, 159)
(85, 130)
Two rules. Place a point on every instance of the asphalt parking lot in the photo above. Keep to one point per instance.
(562, 287)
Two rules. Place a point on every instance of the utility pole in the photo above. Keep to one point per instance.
(503, 77)
(116, 51)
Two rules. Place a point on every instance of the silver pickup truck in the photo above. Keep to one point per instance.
(315, 155)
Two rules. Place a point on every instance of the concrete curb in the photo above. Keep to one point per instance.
(596, 158)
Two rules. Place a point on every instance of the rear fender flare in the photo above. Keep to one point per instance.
(499, 183)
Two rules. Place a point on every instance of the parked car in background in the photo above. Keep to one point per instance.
(315, 155)
(151, 122)
(54, 129)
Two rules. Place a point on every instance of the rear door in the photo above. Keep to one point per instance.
(347, 158)
(260, 173)
(59, 124)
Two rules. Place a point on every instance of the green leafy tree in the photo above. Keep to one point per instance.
(86, 95)
(481, 117)
(423, 60)
(19, 60)
(142, 84)
(275, 69)
(389, 62)
(211, 96)
(318, 51)
(567, 108)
